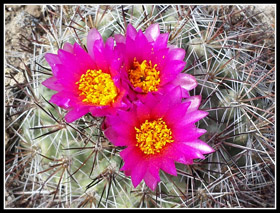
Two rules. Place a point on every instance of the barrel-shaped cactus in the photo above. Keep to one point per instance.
(53, 163)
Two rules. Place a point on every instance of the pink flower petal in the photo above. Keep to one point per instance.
(66, 57)
(168, 166)
(115, 64)
(188, 133)
(138, 173)
(158, 57)
(200, 145)
(182, 158)
(189, 152)
(143, 112)
(176, 154)
(131, 31)
(176, 54)
(174, 96)
(119, 38)
(133, 160)
(141, 39)
(186, 81)
(117, 139)
(195, 102)
(109, 49)
(151, 181)
(192, 117)
(131, 157)
(125, 130)
(111, 120)
(112, 136)
(68, 47)
(148, 100)
(66, 76)
(167, 88)
(52, 59)
(176, 113)
(153, 169)
(130, 52)
(152, 32)
(119, 128)
(161, 41)
(141, 47)
(69, 70)
(100, 60)
(129, 117)
(64, 99)
(85, 62)
(72, 61)
(121, 102)
(100, 111)
(160, 109)
(76, 113)
(94, 40)
(171, 71)
(52, 84)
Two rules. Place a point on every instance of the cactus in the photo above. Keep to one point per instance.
(52, 163)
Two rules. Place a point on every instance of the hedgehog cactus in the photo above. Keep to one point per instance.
(53, 163)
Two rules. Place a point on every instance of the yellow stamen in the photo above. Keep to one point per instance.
(97, 88)
(152, 136)
(144, 75)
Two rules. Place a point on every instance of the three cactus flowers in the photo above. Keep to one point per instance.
(139, 86)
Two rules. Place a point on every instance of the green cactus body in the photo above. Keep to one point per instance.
(51, 163)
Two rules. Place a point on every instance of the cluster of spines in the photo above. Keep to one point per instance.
(73, 165)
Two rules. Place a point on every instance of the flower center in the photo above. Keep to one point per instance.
(144, 75)
(153, 136)
(97, 88)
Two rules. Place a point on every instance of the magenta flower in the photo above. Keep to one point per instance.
(87, 81)
(157, 131)
(150, 64)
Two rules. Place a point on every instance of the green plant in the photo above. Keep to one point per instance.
(52, 163)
